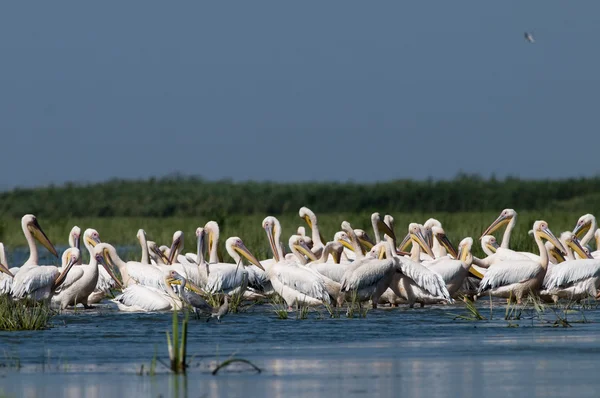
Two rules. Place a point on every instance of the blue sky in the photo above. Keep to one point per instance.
(297, 91)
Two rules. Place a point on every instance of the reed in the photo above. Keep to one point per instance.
(21, 315)
(177, 344)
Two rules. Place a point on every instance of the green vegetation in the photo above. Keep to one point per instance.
(18, 315)
(465, 206)
(177, 345)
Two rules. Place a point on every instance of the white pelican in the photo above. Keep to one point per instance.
(573, 279)
(438, 248)
(518, 278)
(367, 278)
(453, 271)
(74, 236)
(6, 274)
(378, 225)
(104, 281)
(489, 245)
(32, 231)
(79, 283)
(311, 219)
(132, 272)
(585, 228)
(230, 278)
(417, 283)
(41, 282)
(334, 270)
(293, 283)
(507, 216)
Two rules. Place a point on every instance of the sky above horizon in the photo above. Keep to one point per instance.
(288, 91)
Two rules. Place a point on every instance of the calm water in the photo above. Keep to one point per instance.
(416, 353)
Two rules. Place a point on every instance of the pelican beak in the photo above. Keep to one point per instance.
(336, 256)
(575, 244)
(558, 256)
(77, 242)
(462, 254)
(63, 275)
(386, 229)
(200, 245)
(381, 255)
(443, 239)
(271, 236)
(475, 272)
(174, 249)
(92, 241)
(194, 288)
(366, 243)
(429, 237)
(106, 262)
(4, 268)
(581, 229)
(346, 243)
(405, 243)
(419, 239)
(548, 235)
(41, 237)
(499, 222)
(304, 249)
(307, 219)
(243, 250)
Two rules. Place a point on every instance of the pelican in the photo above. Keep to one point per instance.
(231, 278)
(41, 282)
(333, 270)
(311, 219)
(104, 280)
(80, 281)
(507, 217)
(296, 285)
(452, 271)
(519, 278)
(74, 240)
(6, 274)
(417, 283)
(132, 272)
(585, 228)
(489, 245)
(440, 246)
(378, 225)
(367, 278)
(573, 279)
(20, 287)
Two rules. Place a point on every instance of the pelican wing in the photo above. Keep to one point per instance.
(301, 280)
(572, 271)
(509, 272)
(333, 271)
(105, 281)
(143, 298)
(36, 282)
(5, 283)
(73, 276)
(368, 273)
(425, 278)
(447, 269)
(146, 275)
(224, 276)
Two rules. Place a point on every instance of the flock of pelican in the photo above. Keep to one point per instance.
(425, 268)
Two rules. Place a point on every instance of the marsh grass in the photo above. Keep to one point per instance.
(21, 315)
(333, 311)
(279, 306)
(301, 311)
(177, 344)
(473, 313)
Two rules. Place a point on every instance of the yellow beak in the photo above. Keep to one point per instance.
(499, 222)
(249, 256)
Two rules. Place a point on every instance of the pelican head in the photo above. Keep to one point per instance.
(416, 235)
(212, 230)
(153, 248)
(570, 240)
(378, 224)
(429, 224)
(342, 238)
(236, 245)
(504, 218)
(270, 224)
(103, 257)
(377, 251)
(490, 242)
(440, 235)
(176, 246)
(540, 228)
(297, 242)
(91, 236)
(29, 222)
(307, 215)
(74, 237)
(464, 249)
(584, 224)
(70, 258)
(364, 239)
(554, 252)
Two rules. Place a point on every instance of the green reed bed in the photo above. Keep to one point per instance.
(18, 315)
